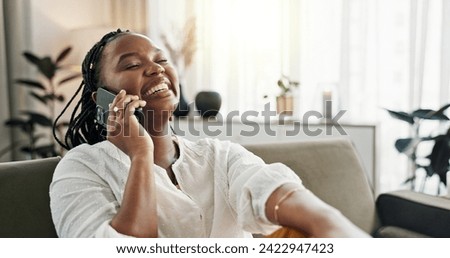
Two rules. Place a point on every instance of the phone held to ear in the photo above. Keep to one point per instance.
(103, 99)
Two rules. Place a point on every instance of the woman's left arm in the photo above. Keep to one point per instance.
(255, 188)
(300, 209)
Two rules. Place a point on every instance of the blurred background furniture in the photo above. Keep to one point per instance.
(328, 167)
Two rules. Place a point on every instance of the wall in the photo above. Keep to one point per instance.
(52, 22)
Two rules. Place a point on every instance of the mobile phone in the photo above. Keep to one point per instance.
(103, 99)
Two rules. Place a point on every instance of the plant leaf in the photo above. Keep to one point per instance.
(39, 97)
(409, 179)
(30, 83)
(63, 54)
(39, 119)
(47, 67)
(52, 96)
(283, 83)
(402, 144)
(407, 145)
(443, 108)
(67, 79)
(27, 149)
(15, 122)
(440, 157)
(23, 124)
(429, 138)
(30, 57)
(60, 98)
(430, 171)
(401, 116)
(429, 114)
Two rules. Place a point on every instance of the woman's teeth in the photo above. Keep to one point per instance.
(156, 89)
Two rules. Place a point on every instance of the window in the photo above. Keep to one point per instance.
(381, 54)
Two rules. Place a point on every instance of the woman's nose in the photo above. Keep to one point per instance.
(154, 69)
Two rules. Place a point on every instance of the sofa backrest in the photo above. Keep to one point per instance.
(331, 169)
(24, 198)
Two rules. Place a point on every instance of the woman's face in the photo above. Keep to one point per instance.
(133, 63)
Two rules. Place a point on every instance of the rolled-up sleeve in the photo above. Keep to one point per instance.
(251, 184)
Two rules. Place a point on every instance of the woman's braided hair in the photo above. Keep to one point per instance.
(82, 126)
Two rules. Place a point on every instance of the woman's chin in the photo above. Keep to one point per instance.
(161, 109)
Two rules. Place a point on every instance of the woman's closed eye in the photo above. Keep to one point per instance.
(132, 66)
(162, 61)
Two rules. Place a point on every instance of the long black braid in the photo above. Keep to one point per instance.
(82, 125)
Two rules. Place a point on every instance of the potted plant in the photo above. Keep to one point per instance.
(35, 124)
(285, 101)
(436, 162)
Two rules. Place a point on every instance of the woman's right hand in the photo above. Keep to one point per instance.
(137, 215)
(123, 128)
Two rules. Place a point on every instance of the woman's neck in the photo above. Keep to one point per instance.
(165, 150)
(163, 145)
(165, 154)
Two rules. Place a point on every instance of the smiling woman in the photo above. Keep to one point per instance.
(139, 179)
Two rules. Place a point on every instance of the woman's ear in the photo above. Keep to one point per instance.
(94, 96)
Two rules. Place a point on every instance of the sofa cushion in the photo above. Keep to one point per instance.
(396, 232)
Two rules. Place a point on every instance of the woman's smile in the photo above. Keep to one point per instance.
(156, 89)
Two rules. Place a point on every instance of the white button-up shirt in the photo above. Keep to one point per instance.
(223, 191)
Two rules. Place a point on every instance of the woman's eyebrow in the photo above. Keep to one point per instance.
(126, 55)
(136, 54)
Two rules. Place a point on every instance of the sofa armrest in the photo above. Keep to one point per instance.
(417, 212)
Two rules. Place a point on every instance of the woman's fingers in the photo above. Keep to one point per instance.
(123, 101)
(133, 105)
(124, 129)
(121, 105)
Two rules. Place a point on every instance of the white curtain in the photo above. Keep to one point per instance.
(395, 54)
(4, 108)
(379, 53)
(14, 38)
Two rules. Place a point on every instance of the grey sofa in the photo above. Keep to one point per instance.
(329, 168)
(24, 198)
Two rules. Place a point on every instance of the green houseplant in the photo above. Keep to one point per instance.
(437, 161)
(37, 124)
